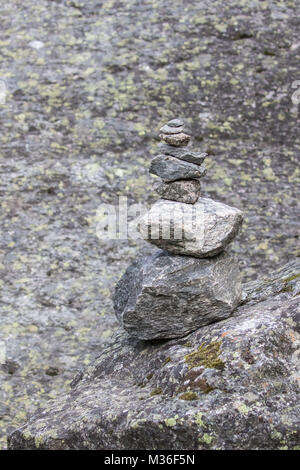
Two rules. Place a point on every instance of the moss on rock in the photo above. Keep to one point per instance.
(207, 356)
(189, 396)
(156, 391)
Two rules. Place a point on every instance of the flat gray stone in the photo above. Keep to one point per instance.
(168, 296)
(178, 140)
(171, 169)
(182, 153)
(175, 123)
(201, 230)
(171, 130)
(187, 191)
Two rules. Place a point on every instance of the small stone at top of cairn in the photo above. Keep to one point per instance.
(173, 133)
(179, 167)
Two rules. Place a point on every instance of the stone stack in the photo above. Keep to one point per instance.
(179, 168)
(193, 282)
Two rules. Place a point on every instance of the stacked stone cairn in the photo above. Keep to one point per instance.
(191, 281)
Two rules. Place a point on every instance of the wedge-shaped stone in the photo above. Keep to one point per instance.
(202, 229)
(168, 296)
(182, 153)
(171, 169)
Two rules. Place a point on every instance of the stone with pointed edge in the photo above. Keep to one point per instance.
(167, 296)
(170, 168)
(182, 153)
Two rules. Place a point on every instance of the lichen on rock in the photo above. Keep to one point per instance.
(82, 97)
(192, 401)
(207, 356)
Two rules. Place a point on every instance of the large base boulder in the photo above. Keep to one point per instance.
(229, 385)
(168, 296)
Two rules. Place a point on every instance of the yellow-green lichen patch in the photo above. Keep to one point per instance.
(286, 288)
(189, 396)
(156, 391)
(199, 420)
(170, 422)
(206, 438)
(207, 356)
(292, 278)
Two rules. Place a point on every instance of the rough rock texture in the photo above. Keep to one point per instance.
(84, 97)
(171, 129)
(202, 229)
(168, 296)
(178, 140)
(187, 191)
(174, 123)
(170, 169)
(229, 385)
(183, 153)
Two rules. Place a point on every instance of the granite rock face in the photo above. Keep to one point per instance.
(55, 160)
(187, 191)
(229, 385)
(201, 230)
(168, 296)
(170, 169)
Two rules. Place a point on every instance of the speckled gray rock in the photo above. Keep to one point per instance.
(182, 153)
(92, 103)
(202, 229)
(178, 140)
(229, 385)
(171, 129)
(170, 169)
(187, 191)
(175, 123)
(168, 296)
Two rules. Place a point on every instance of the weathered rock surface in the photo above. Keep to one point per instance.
(166, 129)
(182, 153)
(170, 169)
(178, 140)
(78, 112)
(229, 385)
(202, 229)
(187, 191)
(167, 296)
(175, 123)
